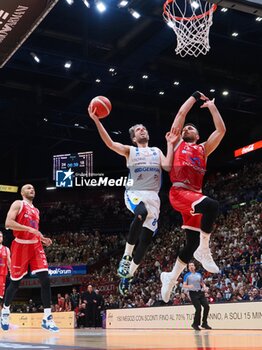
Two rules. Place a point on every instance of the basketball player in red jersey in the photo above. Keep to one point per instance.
(198, 211)
(27, 250)
(4, 265)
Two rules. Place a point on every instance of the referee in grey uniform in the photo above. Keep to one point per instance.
(193, 282)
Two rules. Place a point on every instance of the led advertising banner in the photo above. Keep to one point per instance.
(8, 188)
(250, 148)
(68, 270)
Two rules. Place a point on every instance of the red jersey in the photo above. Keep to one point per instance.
(28, 216)
(189, 166)
(3, 261)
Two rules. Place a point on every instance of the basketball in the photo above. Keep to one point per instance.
(103, 106)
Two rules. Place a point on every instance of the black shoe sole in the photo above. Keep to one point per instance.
(196, 328)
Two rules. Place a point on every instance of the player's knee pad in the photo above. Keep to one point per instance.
(207, 206)
(212, 206)
(136, 225)
(209, 210)
(43, 278)
(141, 211)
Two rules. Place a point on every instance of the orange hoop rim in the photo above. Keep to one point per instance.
(212, 9)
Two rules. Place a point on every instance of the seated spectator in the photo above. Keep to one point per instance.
(184, 299)
(176, 300)
(151, 300)
(82, 316)
(255, 294)
(219, 297)
(60, 302)
(242, 295)
(67, 304)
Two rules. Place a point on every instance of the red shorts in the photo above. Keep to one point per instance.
(184, 201)
(2, 285)
(24, 255)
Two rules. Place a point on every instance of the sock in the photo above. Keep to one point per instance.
(6, 309)
(47, 312)
(133, 268)
(204, 240)
(177, 269)
(129, 249)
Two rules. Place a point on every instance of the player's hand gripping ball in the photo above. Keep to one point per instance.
(101, 105)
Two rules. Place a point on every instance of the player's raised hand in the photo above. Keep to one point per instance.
(208, 103)
(203, 97)
(173, 136)
(92, 113)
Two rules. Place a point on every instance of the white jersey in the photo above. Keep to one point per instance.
(144, 165)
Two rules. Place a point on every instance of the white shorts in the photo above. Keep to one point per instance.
(152, 204)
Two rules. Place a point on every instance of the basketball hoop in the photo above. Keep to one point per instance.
(191, 21)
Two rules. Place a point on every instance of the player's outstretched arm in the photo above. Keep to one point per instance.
(119, 148)
(216, 137)
(172, 138)
(11, 224)
(180, 118)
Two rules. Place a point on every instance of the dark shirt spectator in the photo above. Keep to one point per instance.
(75, 298)
(89, 297)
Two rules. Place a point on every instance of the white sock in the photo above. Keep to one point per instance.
(129, 249)
(6, 309)
(47, 312)
(133, 267)
(204, 240)
(177, 269)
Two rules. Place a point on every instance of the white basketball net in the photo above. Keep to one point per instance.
(191, 21)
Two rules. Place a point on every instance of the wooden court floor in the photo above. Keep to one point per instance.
(131, 339)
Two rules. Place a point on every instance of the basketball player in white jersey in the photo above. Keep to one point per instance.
(145, 165)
